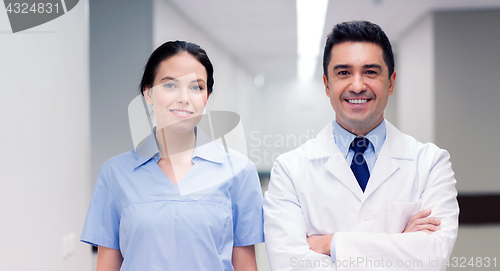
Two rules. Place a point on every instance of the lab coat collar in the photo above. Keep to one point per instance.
(396, 142)
(395, 147)
(324, 144)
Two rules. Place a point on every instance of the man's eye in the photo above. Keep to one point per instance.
(343, 73)
(370, 72)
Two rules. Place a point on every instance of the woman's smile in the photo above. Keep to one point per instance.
(181, 113)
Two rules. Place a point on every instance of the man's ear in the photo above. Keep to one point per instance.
(392, 81)
(147, 91)
(325, 82)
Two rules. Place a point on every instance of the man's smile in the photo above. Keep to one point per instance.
(357, 101)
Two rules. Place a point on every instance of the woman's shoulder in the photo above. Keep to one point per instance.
(124, 161)
(236, 158)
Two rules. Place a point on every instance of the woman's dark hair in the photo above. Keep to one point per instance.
(169, 49)
(358, 31)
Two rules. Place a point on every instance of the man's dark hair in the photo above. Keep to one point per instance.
(358, 31)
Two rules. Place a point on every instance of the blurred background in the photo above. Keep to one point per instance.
(66, 86)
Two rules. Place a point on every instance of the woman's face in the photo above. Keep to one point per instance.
(179, 94)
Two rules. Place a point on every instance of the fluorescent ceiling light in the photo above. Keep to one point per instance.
(310, 25)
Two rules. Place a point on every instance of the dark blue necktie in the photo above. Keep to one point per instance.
(358, 165)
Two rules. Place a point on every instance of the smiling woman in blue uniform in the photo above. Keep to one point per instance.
(178, 201)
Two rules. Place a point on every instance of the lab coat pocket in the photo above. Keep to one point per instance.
(398, 214)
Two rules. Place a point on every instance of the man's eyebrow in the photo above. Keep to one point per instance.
(341, 66)
(371, 66)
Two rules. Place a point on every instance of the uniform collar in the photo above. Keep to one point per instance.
(147, 149)
(205, 149)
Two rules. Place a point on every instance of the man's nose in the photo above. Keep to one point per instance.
(357, 85)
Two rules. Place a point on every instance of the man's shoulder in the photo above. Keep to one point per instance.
(416, 148)
(314, 148)
(301, 152)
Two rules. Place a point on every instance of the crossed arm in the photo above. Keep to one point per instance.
(421, 221)
(288, 242)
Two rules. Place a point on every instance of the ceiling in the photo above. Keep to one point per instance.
(261, 34)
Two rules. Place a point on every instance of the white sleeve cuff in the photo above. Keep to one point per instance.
(332, 249)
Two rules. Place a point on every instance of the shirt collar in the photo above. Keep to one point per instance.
(343, 138)
(205, 148)
(147, 149)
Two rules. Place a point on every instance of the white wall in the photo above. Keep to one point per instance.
(476, 242)
(291, 113)
(467, 114)
(45, 137)
(447, 86)
(415, 81)
(468, 95)
(448, 67)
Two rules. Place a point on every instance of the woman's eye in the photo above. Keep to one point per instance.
(169, 85)
(198, 88)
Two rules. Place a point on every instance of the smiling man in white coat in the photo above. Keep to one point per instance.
(360, 195)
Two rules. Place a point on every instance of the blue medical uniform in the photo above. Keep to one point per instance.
(190, 226)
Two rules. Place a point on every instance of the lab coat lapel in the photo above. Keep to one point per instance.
(336, 164)
(342, 172)
(382, 171)
(395, 148)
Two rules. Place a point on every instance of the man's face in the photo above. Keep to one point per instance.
(358, 85)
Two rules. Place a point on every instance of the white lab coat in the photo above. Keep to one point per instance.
(313, 191)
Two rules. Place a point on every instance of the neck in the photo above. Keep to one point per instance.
(172, 143)
(360, 130)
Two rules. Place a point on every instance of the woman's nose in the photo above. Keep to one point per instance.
(183, 96)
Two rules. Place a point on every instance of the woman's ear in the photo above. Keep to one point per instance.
(148, 94)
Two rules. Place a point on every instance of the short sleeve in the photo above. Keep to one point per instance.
(103, 220)
(248, 219)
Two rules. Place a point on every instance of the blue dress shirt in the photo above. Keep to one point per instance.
(190, 226)
(343, 139)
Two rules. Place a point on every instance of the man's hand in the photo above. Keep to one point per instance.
(320, 243)
(422, 222)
